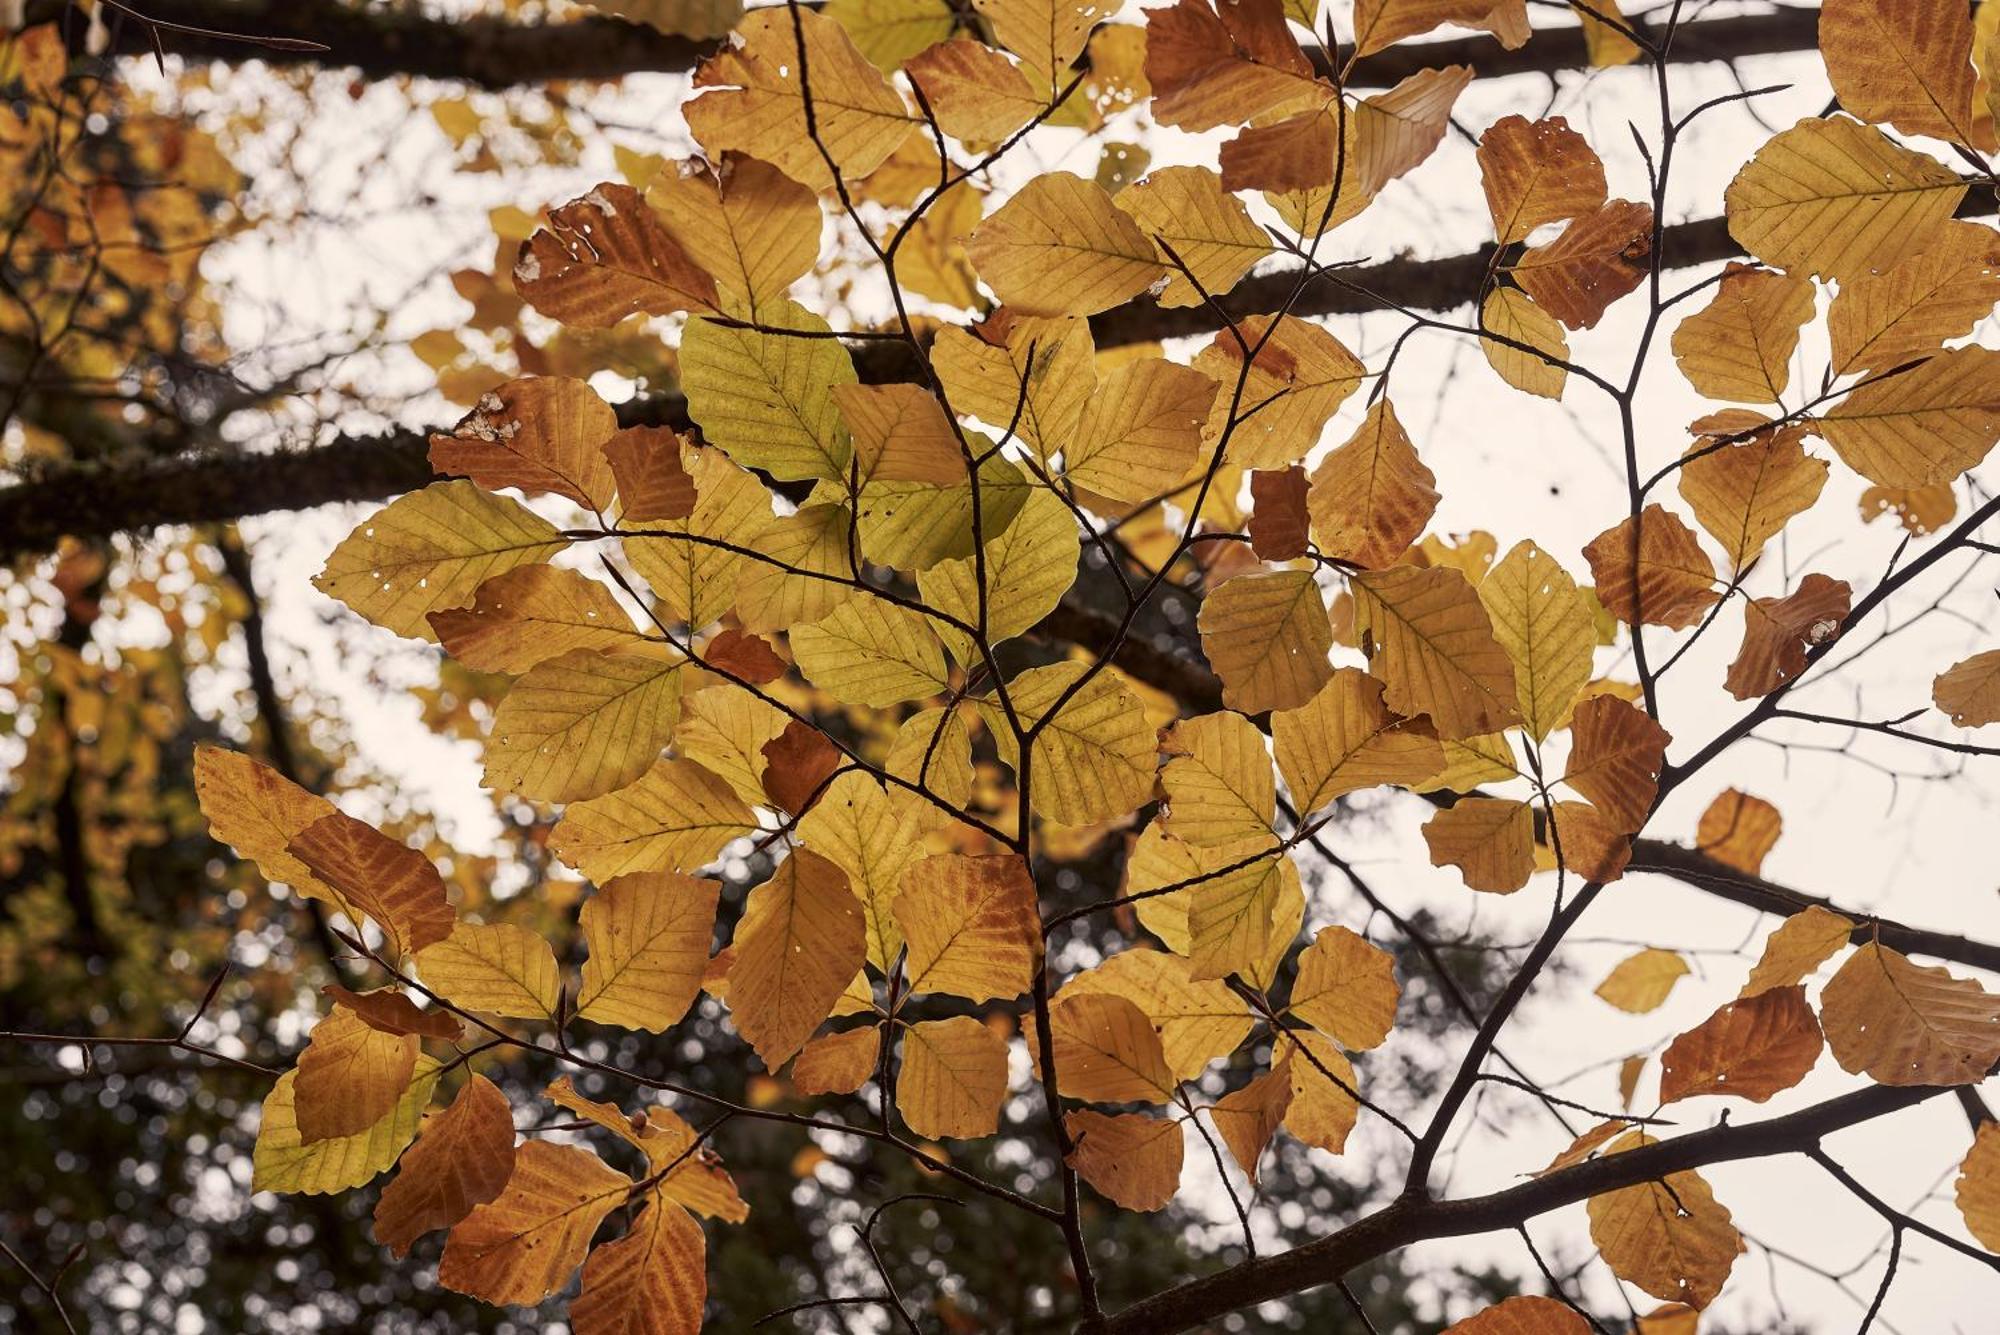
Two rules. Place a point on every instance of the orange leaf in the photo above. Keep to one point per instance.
(1751, 1048)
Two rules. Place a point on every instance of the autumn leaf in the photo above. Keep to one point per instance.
(798, 944)
(281, 1161)
(1059, 246)
(1534, 358)
(1751, 1048)
(1346, 989)
(531, 614)
(1198, 1020)
(1969, 691)
(1188, 212)
(1744, 493)
(1978, 1187)
(1093, 757)
(677, 817)
(527, 1242)
(1133, 1159)
(1372, 497)
(1107, 1051)
(1218, 780)
(1672, 581)
(953, 1079)
(350, 1076)
(1671, 1238)
(648, 936)
(1902, 63)
(1800, 945)
(1542, 621)
(1345, 739)
(1908, 1024)
(392, 1012)
(1226, 65)
(391, 883)
(837, 1063)
(753, 229)
(1431, 643)
(1738, 830)
(1909, 311)
(1617, 753)
(1299, 373)
(1923, 426)
(652, 1279)
(1779, 633)
(1642, 981)
(493, 967)
(539, 434)
(604, 257)
(1525, 1315)
(586, 723)
(1740, 345)
(972, 926)
(463, 1158)
(1598, 258)
(1489, 839)
(1382, 23)
(1248, 1117)
(1537, 172)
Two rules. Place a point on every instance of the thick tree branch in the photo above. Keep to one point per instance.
(380, 43)
(1411, 1219)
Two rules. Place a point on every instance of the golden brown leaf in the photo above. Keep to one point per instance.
(677, 817)
(1969, 691)
(1599, 258)
(1323, 1108)
(1531, 360)
(838, 1063)
(1543, 622)
(1107, 1051)
(1371, 497)
(1226, 65)
(392, 1012)
(538, 433)
(351, 1075)
(1280, 523)
(1911, 310)
(1525, 1315)
(651, 1281)
(1745, 493)
(1907, 1024)
(1346, 989)
(1382, 23)
(1671, 1238)
(1537, 172)
(1673, 582)
(1303, 371)
(745, 222)
(1198, 1020)
(1217, 782)
(1906, 63)
(606, 256)
(393, 884)
(1061, 247)
(648, 935)
(1800, 945)
(1615, 758)
(653, 484)
(463, 1157)
(1489, 839)
(1738, 830)
(1267, 636)
(494, 967)
(1923, 426)
(1978, 1187)
(953, 1078)
(1430, 641)
(585, 724)
(531, 614)
(1779, 632)
(1751, 1048)
(971, 924)
(977, 94)
(1642, 981)
(526, 1243)
(1740, 345)
(1247, 1118)
(797, 946)
(1345, 739)
(1133, 1159)
(1189, 210)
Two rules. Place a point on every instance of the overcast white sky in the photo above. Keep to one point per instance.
(1520, 468)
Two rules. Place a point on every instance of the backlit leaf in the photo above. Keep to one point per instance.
(1744, 494)
(1133, 1159)
(1752, 1048)
(1740, 345)
(1778, 633)
(677, 817)
(1345, 739)
(586, 723)
(529, 615)
(1107, 1051)
(648, 936)
(282, 1162)
(1093, 760)
(462, 1158)
(526, 1243)
(540, 434)
(1969, 691)
(1267, 636)
(1061, 247)
(1908, 1024)
(1346, 989)
(1490, 840)
(390, 882)
(493, 967)
(1738, 830)
(953, 1079)
(1671, 1238)
(1372, 497)
(798, 944)
(607, 256)
(1642, 981)
(1927, 425)
(1545, 626)
(1800, 945)
(972, 926)
(1431, 643)
(1661, 577)
(1904, 63)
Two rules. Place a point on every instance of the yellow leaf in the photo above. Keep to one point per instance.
(811, 542)
(767, 397)
(1472, 761)
(723, 730)
(1744, 494)
(797, 945)
(978, 95)
(1970, 691)
(1346, 989)
(1910, 311)
(838, 1063)
(1046, 34)
(526, 1243)
(1218, 785)
(1671, 1238)
(875, 835)
(1537, 172)
(889, 32)
(1197, 1020)
(585, 724)
(494, 967)
(754, 101)
(388, 881)
(901, 434)
(1532, 367)
(1490, 840)
(933, 748)
(606, 256)
(872, 652)
(1322, 1110)
(258, 812)
(1238, 920)
(747, 223)
(1751, 1048)
(1061, 247)
(982, 374)
(1906, 1024)
(1606, 46)
(430, 550)
(1800, 945)
(1906, 63)
(1028, 567)
(1345, 739)
(972, 926)
(677, 817)
(1738, 830)
(1924, 426)
(1673, 582)
(1978, 1187)
(1094, 758)
(1740, 345)
(1130, 1158)
(1837, 199)
(462, 1158)
(1107, 1051)
(1267, 636)
(1640, 983)
(698, 581)
(282, 1162)
(651, 1281)
(1431, 643)
(1140, 434)
(1372, 496)
(931, 261)
(1300, 375)
(350, 1076)
(1545, 626)
(1186, 209)
(953, 1079)
(531, 614)
(539, 433)
(648, 936)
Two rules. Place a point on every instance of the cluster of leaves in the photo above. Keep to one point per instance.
(671, 604)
